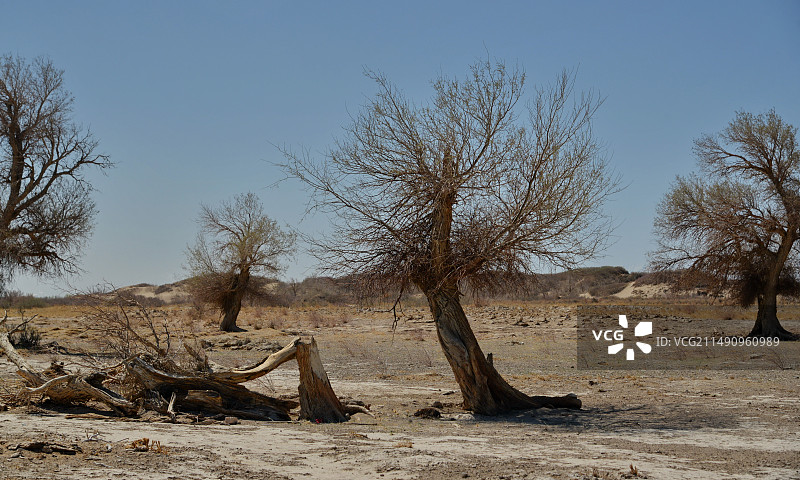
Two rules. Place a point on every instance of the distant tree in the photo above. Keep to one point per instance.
(45, 208)
(236, 240)
(466, 188)
(736, 226)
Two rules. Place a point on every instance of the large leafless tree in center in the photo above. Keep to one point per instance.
(470, 187)
(45, 209)
(737, 226)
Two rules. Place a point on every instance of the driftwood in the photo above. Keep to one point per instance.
(31, 376)
(569, 400)
(267, 365)
(65, 389)
(218, 392)
(49, 447)
(220, 396)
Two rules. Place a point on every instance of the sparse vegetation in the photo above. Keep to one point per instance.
(28, 339)
(126, 328)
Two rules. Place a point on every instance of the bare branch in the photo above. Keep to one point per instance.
(45, 209)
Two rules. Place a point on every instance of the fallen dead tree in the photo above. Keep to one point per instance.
(220, 392)
(65, 389)
(205, 394)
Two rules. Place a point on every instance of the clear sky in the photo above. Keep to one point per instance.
(190, 97)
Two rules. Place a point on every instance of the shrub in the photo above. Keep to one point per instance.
(28, 339)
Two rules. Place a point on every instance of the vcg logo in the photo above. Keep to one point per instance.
(642, 329)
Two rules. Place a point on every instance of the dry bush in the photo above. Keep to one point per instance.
(125, 327)
(277, 322)
(315, 319)
(277, 318)
(342, 318)
(318, 319)
(426, 357)
(28, 339)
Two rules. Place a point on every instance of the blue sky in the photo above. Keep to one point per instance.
(189, 98)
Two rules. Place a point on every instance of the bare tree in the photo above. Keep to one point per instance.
(45, 209)
(467, 188)
(236, 241)
(737, 226)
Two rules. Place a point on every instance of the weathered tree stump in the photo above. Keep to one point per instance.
(318, 402)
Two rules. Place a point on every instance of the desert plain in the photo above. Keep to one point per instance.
(735, 423)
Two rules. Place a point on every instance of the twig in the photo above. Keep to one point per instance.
(171, 407)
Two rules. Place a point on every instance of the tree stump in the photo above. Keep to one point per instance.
(318, 402)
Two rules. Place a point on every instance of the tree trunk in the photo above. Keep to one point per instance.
(482, 387)
(767, 323)
(267, 365)
(233, 301)
(318, 402)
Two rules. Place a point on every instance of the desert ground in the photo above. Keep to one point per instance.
(657, 424)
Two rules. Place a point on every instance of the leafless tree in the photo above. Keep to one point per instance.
(236, 241)
(45, 209)
(470, 187)
(736, 226)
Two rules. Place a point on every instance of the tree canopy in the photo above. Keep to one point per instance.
(475, 185)
(735, 227)
(46, 210)
(520, 184)
(236, 240)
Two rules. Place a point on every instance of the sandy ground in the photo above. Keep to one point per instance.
(705, 424)
(643, 291)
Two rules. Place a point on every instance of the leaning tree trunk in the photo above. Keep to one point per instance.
(232, 303)
(767, 324)
(483, 389)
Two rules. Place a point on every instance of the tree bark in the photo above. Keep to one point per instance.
(232, 303)
(767, 324)
(483, 388)
(318, 402)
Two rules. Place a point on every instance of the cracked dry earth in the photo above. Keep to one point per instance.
(734, 424)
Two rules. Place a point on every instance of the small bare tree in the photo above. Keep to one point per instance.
(467, 188)
(236, 241)
(45, 209)
(737, 226)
